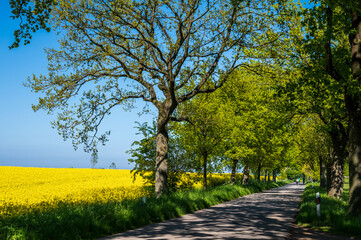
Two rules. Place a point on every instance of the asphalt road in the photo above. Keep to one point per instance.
(265, 215)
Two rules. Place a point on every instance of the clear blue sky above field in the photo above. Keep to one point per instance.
(26, 137)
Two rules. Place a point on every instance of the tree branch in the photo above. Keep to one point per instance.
(330, 68)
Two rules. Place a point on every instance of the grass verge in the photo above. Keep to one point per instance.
(95, 220)
(334, 217)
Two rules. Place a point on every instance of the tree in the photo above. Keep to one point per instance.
(338, 26)
(94, 159)
(314, 147)
(113, 166)
(314, 91)
(353, 105)
(257, 126)
(321, 95)
(163, 52)
(34, 15)
(143, 152)
(143, 155)
(236, 97)
(204, 131)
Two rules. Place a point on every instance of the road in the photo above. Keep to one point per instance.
(265, 215)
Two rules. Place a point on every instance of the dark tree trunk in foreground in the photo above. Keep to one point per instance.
(234, 168)
(205, 157)
(353, 105)
(245, 175)
(337, 132)
(339, 141)
(336, 183)
(322, 173)
(274, 173)
(161, 169)
(355, 167)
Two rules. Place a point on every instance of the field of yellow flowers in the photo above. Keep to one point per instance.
(44, 203)
(31, 189)
(25, 189)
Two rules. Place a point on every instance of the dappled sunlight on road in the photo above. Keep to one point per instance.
(266, 215)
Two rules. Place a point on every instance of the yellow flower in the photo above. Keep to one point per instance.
(28, 189)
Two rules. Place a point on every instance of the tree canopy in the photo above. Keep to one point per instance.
(163, 52)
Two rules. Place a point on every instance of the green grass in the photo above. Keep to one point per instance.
(334, 217)
(96, 220)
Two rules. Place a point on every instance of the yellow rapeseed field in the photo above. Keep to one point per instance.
(40, 189)
(28, 189)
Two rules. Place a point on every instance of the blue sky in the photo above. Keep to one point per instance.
(26, 137)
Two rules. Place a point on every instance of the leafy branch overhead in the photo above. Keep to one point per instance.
(163, 52)
(33, 14)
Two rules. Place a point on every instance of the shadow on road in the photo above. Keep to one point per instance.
(266, 215)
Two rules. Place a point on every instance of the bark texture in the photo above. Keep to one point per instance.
(339, 141)
(161, 169)
(353, 105)
(205, 158)
(274, 175)
(259, 172)
(245, 175)
(355, 169)
(165, 109)
(328, 179)
(322, 172)
(234, 168)
(336, 181)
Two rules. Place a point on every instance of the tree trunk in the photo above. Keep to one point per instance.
(322, 173)
(259, 172)
(355, 168)
(328, 179)
(339, 141)
(274, 175)
(336, 183)
(265, 175)
(269, 176)
(234, 166)
(205, 156)
(304, 179)
(245, 175)
(161, 168)
(353, 106)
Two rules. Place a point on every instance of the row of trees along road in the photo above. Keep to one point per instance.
(331, 61)
(244, 123)
(172, 53)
